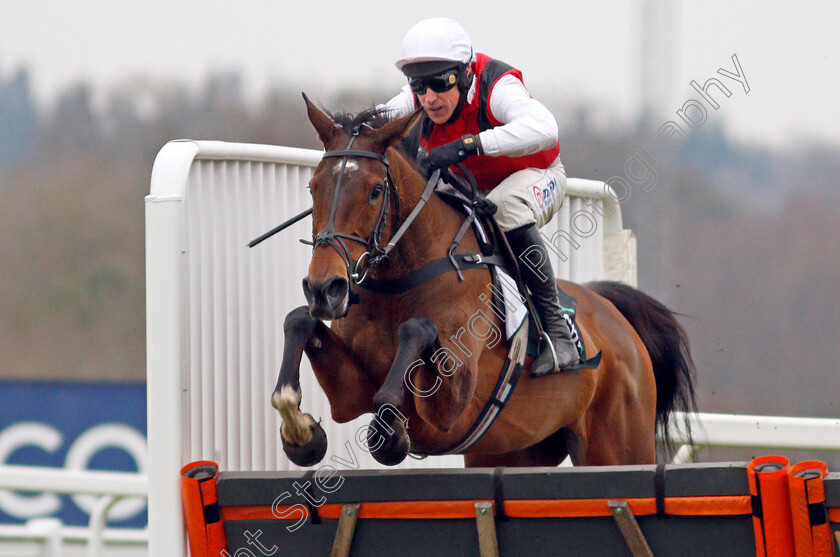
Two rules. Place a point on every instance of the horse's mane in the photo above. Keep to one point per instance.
(376, 117)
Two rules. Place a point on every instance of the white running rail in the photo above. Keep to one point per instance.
(108, 487)
(760, 432)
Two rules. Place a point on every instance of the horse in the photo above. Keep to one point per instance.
(378, 354)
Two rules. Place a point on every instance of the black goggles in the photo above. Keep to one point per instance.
(439, 83)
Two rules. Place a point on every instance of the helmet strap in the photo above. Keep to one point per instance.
(464, 82)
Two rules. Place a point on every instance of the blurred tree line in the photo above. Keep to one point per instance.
(732, 236)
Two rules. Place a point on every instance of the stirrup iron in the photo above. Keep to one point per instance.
(548, 341)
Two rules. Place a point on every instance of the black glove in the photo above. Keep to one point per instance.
(451, 153)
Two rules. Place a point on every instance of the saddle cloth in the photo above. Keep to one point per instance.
(506, 295)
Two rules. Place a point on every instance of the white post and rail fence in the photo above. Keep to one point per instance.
(214, 337)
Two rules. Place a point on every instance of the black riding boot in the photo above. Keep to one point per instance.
(535, 267)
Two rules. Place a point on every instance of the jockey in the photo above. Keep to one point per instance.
(481, 115)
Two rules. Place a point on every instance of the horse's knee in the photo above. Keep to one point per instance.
(417, 328)
(299, 321)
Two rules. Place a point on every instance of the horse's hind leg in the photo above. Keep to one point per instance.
(548, 452)
(614, 433)
(304, 441)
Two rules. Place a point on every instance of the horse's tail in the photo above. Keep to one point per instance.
(667, 344)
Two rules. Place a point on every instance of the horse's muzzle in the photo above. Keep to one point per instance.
(327, 299)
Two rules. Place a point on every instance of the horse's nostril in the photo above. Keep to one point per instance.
(337, 288)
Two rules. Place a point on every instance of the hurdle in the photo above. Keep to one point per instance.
(765, 507)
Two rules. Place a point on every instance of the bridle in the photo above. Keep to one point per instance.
(374, 255)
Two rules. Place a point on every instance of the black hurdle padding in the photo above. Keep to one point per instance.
(700, 535)
(831, 484)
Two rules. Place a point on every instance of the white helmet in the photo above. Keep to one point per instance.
(438, 39)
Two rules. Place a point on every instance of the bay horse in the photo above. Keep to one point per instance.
(378, 354)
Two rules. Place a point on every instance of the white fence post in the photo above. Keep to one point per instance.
(164, 346)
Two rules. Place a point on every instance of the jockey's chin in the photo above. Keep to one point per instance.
(438, 114)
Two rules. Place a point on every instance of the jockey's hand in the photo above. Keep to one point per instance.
(451, 153)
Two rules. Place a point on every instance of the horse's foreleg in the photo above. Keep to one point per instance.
(348, 389)
(304, 441)
(417, 337)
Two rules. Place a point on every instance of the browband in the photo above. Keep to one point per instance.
(355, 153)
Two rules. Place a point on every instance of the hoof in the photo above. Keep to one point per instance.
(388, 449)
(311, 453)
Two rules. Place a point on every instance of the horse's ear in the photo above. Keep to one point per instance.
(322, 123)
(393, 132)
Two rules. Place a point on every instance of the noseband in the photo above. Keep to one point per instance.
(357, 270)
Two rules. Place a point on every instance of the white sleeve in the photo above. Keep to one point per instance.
(528, 126)
(401, 105)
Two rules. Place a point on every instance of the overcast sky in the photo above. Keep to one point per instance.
(574, 51)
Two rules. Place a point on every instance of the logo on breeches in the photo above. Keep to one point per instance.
(538, 195)
(545, 195)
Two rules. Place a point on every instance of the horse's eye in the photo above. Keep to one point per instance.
(376, 192)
